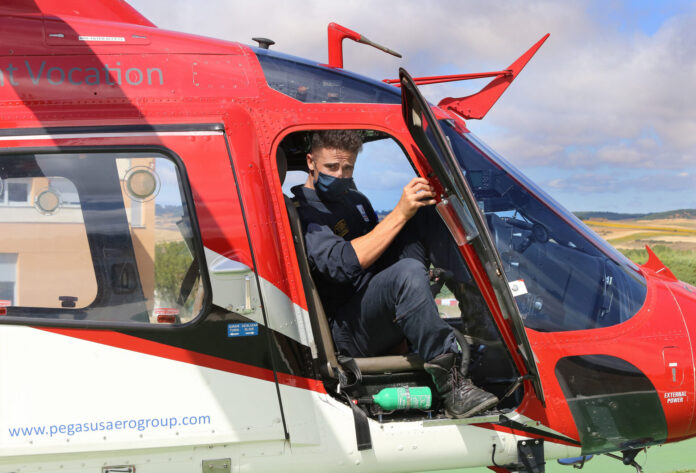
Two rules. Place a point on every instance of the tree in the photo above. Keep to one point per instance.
(172, 260)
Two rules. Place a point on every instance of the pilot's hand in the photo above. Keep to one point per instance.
(417, 193)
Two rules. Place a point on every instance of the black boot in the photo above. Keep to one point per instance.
(461, 397)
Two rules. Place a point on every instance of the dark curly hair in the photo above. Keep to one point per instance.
(349, 140)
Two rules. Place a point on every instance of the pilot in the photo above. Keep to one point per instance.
(372, 276)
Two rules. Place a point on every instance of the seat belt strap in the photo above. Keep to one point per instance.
(188, 282)
(362, 425)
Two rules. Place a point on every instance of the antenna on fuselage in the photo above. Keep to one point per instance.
(264, 43)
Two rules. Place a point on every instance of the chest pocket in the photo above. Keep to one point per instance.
(350, 220)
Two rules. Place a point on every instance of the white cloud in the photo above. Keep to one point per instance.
(597, 183)
(588, 82)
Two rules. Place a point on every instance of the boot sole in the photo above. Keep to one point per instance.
(475, 410)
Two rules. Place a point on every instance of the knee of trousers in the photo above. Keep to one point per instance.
(411, 277)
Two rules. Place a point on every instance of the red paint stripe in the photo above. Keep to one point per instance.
(148, 347)
(499, 469)
(523, 433)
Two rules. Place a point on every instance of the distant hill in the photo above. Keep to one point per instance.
(680, 213)
(167, 209)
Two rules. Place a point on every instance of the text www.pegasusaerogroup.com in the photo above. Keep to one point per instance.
(140, 425)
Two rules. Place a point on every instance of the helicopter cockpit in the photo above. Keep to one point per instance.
(563, 276)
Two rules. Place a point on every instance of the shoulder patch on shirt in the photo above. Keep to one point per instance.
(341, 228)
(361, 209)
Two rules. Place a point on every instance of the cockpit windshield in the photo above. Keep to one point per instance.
(563, 276)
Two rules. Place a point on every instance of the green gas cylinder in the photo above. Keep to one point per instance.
(417, 397)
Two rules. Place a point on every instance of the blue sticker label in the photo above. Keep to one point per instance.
(242, 330)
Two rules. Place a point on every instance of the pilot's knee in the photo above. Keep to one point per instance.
(412, 276)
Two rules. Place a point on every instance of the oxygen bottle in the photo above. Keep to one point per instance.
(389, 399)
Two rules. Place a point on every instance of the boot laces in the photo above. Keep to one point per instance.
(456, 374)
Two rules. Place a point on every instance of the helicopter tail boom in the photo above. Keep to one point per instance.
(105, 10)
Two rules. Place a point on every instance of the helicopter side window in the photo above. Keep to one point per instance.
(96, 237)
(561, 279)
(312, 83)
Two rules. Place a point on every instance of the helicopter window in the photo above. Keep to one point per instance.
(566, 280)
(98, 237)
(312, 83)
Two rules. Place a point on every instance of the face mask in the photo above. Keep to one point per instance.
(331, 188)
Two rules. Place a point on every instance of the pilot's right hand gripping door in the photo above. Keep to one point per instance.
(460, 212)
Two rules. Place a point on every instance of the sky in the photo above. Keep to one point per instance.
(602, 118)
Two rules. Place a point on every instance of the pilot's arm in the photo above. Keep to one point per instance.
(368, 248)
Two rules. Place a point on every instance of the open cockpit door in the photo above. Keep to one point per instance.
(459, 210)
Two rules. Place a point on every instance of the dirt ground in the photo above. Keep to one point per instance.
(166, 229)
(635, 234)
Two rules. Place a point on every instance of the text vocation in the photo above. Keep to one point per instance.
(44, 73)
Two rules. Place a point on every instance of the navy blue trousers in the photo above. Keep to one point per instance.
(397, 301)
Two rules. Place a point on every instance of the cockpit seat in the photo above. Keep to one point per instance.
(390, 364)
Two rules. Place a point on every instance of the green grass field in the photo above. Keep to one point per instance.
(640, 236)
(681, 262)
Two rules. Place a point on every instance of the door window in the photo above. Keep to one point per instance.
(458, 207)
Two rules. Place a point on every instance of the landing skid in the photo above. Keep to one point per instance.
(628, 458)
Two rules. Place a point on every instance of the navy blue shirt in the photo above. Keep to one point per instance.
(328, 227)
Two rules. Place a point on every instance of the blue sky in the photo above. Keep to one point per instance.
(603, 118)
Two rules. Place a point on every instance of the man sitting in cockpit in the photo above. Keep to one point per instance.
(373, 276)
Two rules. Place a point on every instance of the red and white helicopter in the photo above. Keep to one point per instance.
(157, 313)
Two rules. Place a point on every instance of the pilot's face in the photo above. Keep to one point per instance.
(334, 162)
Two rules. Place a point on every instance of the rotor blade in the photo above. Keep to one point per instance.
(476, 106)
(364, 40)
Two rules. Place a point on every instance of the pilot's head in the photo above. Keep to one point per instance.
(331, 161)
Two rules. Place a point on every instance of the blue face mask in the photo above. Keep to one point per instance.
(331, 188)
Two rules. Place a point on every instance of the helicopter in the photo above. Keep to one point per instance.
(158, 312)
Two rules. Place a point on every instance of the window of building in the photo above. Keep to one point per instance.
(17, 192)
(8, 278)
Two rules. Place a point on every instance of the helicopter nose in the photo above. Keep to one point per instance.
(679, 361)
